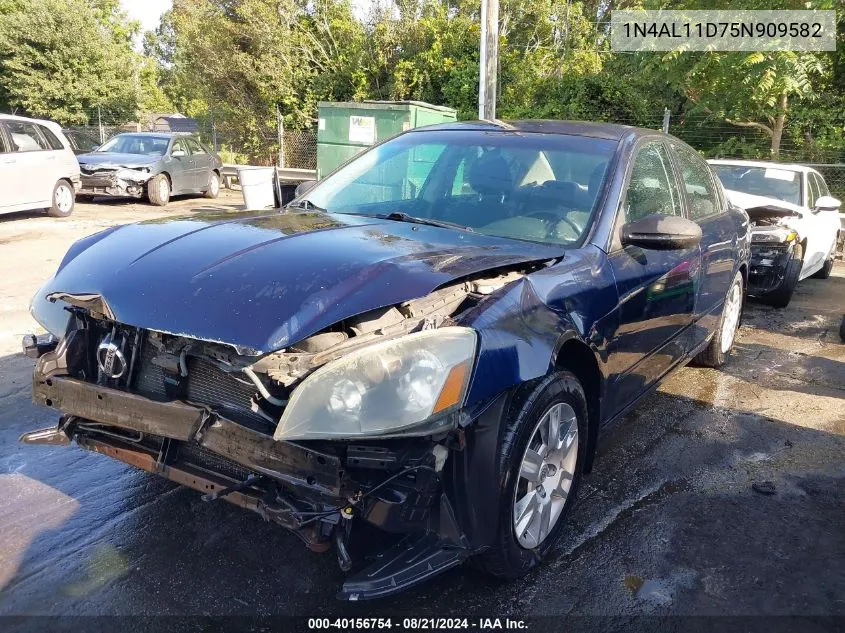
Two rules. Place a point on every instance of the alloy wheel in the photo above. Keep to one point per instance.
(546, 473)
(64, 198)
(730, 322)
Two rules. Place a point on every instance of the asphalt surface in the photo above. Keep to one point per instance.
(675, 519)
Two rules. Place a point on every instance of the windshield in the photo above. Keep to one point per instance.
(770, 182)
(136, 144)
(537, 187)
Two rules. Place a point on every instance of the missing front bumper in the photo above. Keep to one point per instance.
(312, 473)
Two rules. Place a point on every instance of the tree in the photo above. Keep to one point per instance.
(746, 89)
(62, 59)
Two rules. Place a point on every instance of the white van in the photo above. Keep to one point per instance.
(38, 169)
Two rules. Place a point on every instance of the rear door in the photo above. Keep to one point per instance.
(202, 163)
(707, 207)
(36, 164)
(657, 288)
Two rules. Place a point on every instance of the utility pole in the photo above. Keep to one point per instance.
(489, 59)
(100, 125)
(280, 127)
(666, 115)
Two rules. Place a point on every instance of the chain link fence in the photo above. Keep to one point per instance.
(300, 149)
(834, 176)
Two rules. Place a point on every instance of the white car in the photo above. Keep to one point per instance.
(38, 169)
(795, 223)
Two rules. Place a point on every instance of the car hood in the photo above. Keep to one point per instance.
(113, 160)
(262, 282)
(748, 201)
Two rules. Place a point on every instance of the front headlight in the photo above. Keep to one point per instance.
(777, 236)
(136, 175)
(401, 386)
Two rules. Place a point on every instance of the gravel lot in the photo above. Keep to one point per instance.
(668, 523)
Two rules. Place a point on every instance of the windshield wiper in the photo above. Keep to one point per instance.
(401, 216)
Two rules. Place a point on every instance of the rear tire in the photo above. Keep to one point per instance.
(158, 190)
(213, 188)
(824, 271)
(522, 504)
(720, 346)
(63, 200)
(782, 295)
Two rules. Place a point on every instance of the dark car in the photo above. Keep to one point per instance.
(80, 142)
(428, 341)
(152, 164)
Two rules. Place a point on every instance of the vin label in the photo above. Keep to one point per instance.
(635, 31)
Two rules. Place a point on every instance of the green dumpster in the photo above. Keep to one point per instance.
(344, 129)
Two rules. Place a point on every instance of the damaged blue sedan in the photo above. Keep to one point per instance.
(411, 363)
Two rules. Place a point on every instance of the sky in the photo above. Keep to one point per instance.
(147, 12)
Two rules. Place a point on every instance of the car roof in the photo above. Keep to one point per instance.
(155, 134)
(762, 164)
(50, 124)
(611, 131)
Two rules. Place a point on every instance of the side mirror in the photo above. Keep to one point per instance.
(661, 232)
(827, 203)
(177, 153)
(304, 187)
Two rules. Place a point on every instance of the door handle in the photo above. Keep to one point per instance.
(51, 158)
(7, 161)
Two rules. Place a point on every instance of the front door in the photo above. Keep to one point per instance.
(657, 288)
(181, 166)
(706, 207)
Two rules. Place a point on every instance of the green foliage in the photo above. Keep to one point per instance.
(61, 59)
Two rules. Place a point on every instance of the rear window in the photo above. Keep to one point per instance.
(52, 140)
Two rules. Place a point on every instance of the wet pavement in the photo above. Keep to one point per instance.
(722, 494)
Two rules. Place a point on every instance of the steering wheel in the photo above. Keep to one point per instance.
(551, 218)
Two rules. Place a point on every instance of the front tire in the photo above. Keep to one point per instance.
(63, 200)
(782, 295)
(158, 190)
(541, 457)
(719, 349)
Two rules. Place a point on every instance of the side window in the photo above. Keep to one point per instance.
(52, 140)
(702, 197)
(4, 147)
(813, 190)
(821, 185)
(823, 189)
(652, 187)
(180, 146)
(25, 137)
(196, 148)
